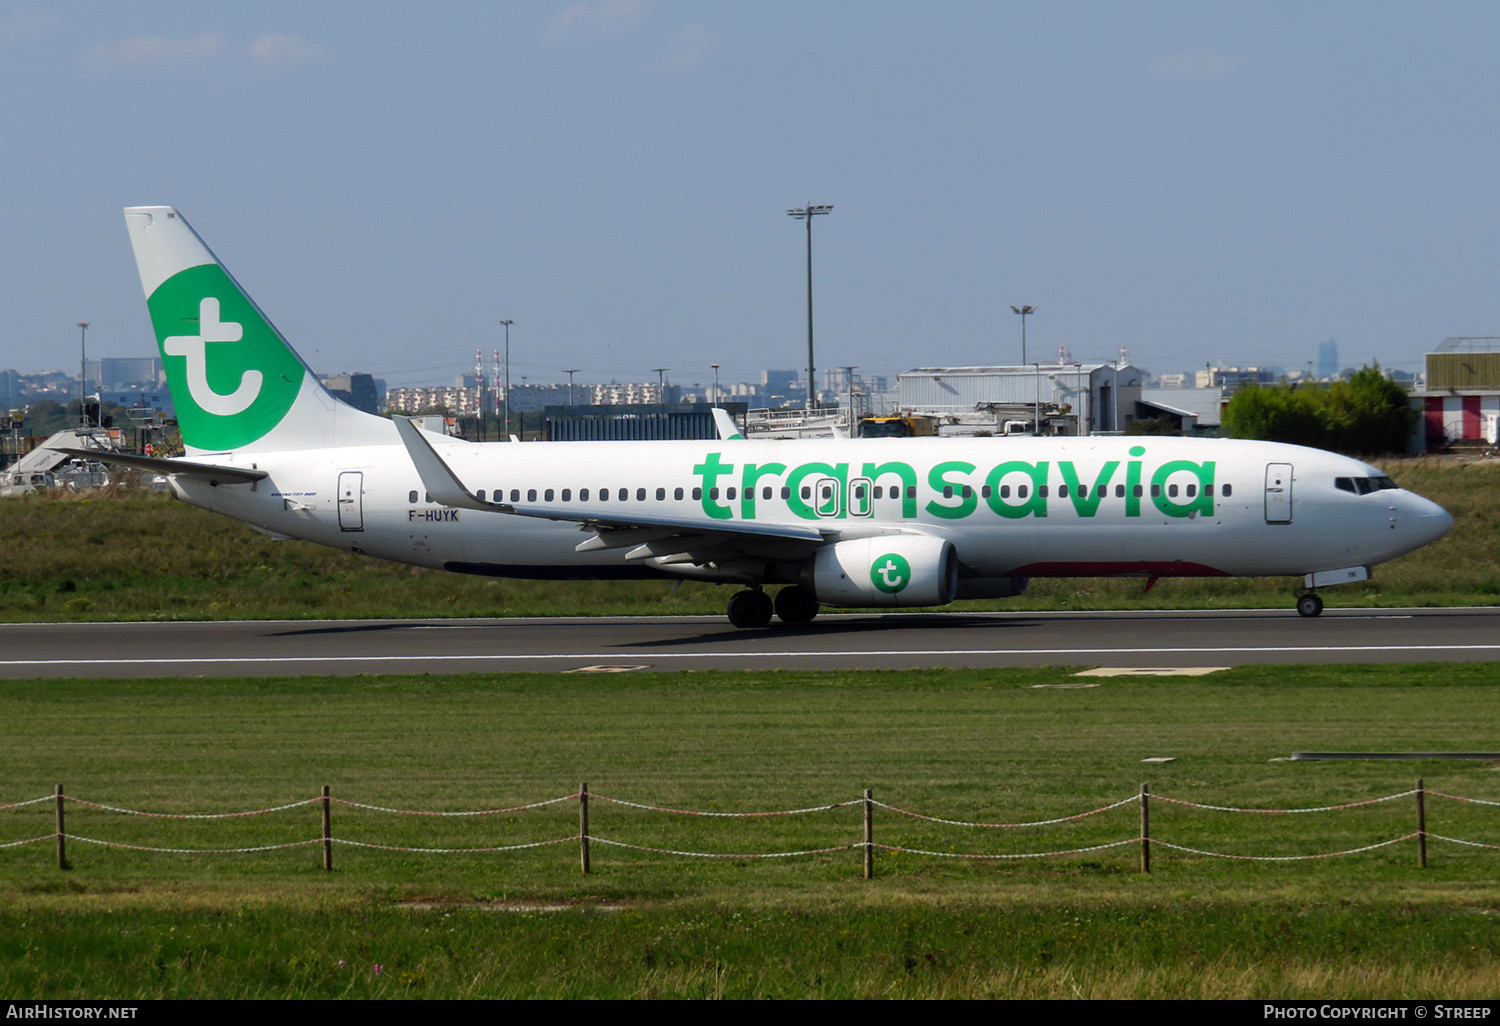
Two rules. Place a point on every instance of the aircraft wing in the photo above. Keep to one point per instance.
(167, 468)
(648, 533)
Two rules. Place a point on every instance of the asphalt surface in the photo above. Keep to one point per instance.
(874, 641)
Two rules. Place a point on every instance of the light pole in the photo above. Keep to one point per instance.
(714, 400)
(1024, 311)
(807, 214)
(570, 372)
(83, 371)
(506, 323)
(661, 384)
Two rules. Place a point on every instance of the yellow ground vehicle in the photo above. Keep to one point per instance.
(897, 427)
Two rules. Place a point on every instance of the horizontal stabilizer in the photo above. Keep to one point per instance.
(172, 468)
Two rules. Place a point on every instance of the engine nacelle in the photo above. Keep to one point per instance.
(890, 570)
(992, 587)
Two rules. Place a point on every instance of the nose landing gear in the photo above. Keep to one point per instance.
(1309, 604)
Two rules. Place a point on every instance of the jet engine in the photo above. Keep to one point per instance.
(888, 570)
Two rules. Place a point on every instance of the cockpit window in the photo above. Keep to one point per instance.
(1364, 485)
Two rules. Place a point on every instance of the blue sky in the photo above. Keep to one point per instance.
(1192, 181)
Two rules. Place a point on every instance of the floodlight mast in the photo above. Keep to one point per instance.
(506, 323)
(1024, 311)
(807, 214)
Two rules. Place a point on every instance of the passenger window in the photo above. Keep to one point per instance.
(1172, 491)
(677, 493)
(786, 492)
(624, 494)
(1192, 490)
(765, 493)
(1119, 491)
(985, 492)
(661, 495)
(547, 496)
(947, 491)
(879, 492)
(1020, 491)
(515, 495)
(531, 495)
(1005, 491)
(1208, 490)
(697, 494)
(1041, 490)
(411, 497)
(640, 495)
(911, 491)
(968, 491)
(806, 492)
(567, 495)
(583, 495)
(730, 493)
(479, 495)
(1137, 491)
(1062, 491)
(1156, 491)
(1228, 491)
(713, 493)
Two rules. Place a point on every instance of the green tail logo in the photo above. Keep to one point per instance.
(232, 376)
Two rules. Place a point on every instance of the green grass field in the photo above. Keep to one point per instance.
(149, 557)
(980, 745)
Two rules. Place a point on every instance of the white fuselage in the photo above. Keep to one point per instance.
(1033, 507)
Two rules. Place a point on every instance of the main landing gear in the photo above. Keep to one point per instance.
(1309, 603)
(754, 608)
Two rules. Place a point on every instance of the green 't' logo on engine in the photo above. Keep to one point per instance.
(890, 573)
(231, 375)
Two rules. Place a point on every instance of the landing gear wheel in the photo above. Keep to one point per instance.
(796, 605)
(750, 609)
(1310, 604)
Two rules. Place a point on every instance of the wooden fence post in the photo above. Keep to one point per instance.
(1421, 826)
(62, 850)
(1145, 829)
(327, 831)
(583, 826)
(869, 834)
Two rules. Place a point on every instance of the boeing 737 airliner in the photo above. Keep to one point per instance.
(895, 522)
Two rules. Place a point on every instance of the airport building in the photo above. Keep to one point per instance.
(1460, 398)
(1084, 398)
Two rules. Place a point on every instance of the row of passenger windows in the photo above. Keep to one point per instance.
(826, 492)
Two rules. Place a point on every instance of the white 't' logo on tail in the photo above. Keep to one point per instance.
(195, 348)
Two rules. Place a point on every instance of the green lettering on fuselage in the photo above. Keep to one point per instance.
(710, 470)
(938, 479)
(1034, 504)
(1203, 502)
(1086, 498)
(799, 506)
(752, 473)
(1013, 501)
(908, 477)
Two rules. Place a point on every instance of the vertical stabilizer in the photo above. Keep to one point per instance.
(235, 381)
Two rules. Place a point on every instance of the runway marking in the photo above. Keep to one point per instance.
(1151, 671)
(859, 653)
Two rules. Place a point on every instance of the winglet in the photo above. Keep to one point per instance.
(729, 431)
(437, 477)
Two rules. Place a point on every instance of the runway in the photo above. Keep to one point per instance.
(868, 641)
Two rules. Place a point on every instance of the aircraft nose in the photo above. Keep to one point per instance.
(1430, 520)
